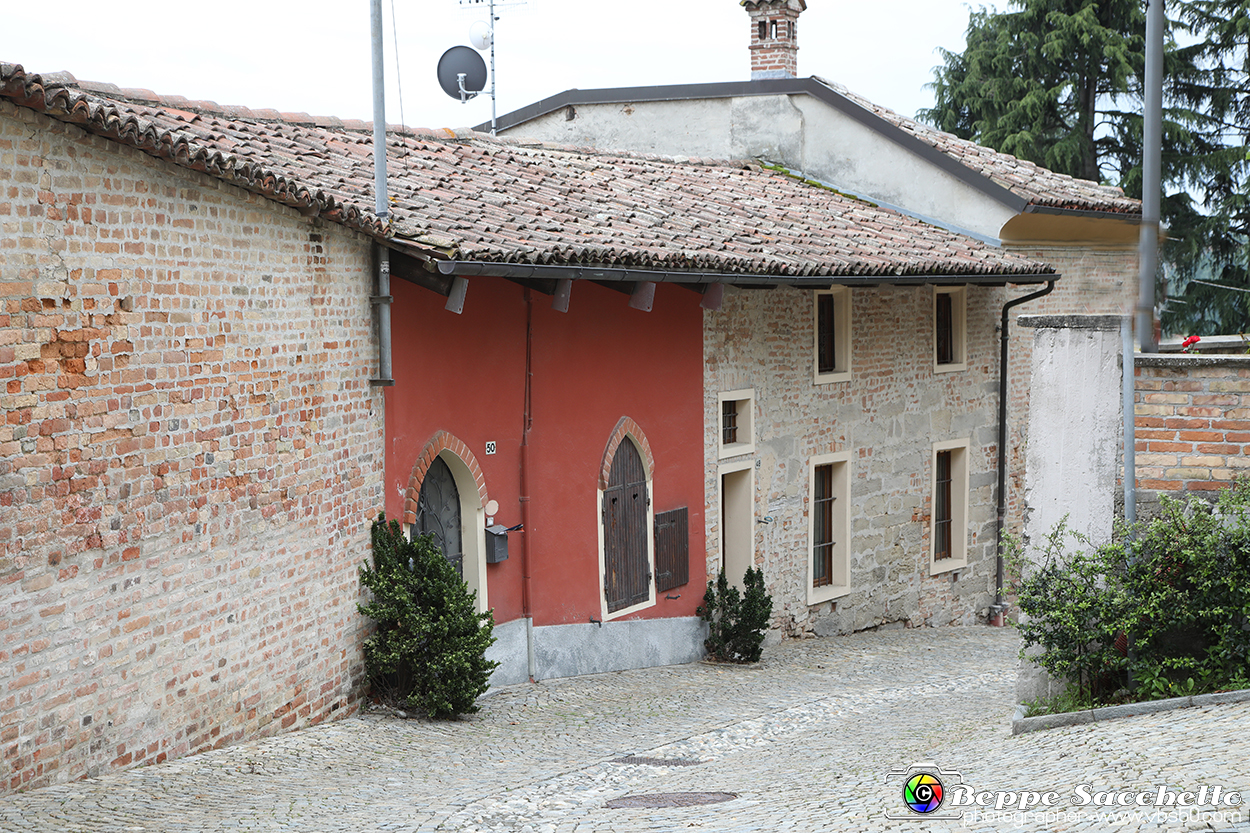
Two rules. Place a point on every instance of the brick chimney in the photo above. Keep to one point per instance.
(774, 39)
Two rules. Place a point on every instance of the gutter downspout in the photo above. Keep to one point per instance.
(525, 494)
(382, 300)
(998, 611)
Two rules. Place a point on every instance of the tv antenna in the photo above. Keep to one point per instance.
(462, 70)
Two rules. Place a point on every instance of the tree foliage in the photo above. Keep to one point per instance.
(428, 652)
(1059, 83)
(1176, 593)
(736, 621)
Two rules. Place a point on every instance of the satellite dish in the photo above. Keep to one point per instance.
(481, 36)
(461, 73)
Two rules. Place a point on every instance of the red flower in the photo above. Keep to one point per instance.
(1189, 342)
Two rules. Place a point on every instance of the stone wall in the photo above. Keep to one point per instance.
(190, 454)
(888, 417)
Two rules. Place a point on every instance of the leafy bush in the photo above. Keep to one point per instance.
(736, 622)
(1168, 607)
(1074, 607)
(428, 652)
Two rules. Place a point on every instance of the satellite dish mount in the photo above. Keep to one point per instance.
(461, 73)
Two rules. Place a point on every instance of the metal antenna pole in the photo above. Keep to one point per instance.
(1152, 188)
(493, 19)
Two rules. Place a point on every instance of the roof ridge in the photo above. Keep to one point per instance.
(918, 127)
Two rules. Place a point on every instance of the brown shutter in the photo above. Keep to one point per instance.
(625, 502)
(672, 549)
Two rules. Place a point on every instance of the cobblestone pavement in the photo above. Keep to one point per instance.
(806, 741)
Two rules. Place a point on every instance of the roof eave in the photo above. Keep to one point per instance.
(527, 271)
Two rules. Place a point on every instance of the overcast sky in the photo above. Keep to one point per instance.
(313, 56)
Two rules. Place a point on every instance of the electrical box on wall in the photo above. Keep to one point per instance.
(496, 544)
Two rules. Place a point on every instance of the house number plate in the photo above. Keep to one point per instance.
(490, 447)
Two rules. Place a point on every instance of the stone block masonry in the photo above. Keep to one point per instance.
(887, 416)
(190, 455)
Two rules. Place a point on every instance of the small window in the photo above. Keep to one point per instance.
(763, 30)
(949, 330)
(948, 533)
(942, 506)
(729, 422)
(737, 423)
(829, 513)
(773, 33)
(831, 330)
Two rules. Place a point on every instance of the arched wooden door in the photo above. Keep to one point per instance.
(627, 576)
(438, 512)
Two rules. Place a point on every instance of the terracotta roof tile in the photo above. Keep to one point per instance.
(503, 200)
(1037, 185)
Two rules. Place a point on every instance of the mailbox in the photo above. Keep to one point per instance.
(496, 544)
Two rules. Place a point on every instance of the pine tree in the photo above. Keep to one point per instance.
(1209, 217)
(1058, 82)
(1038, 81)
(428, 652)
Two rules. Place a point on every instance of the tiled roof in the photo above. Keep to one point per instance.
(469, 196)
(1037, 186)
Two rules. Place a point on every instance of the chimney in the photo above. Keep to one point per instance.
(774, 38)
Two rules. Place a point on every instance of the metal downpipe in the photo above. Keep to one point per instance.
(998, 611)
(382, 298)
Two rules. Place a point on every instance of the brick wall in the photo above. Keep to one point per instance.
(774, 55)
(887, 417)
(1192, 422)
(190, 455)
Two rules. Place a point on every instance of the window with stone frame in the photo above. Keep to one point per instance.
(829, 527)
(950, 312)
(831, 330)
(948, 526)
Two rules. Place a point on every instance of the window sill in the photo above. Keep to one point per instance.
(834, 378)
(736, 450)
(950, 368)
(827, 593)
(625, 611)
(947, 565)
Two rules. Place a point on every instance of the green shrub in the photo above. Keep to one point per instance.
(1074, 607)
(736, 622)
(428, 653)
(1167, 607)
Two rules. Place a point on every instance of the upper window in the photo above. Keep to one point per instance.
(949, 330)
(831, 328)
(737, 422)
(829, 527)
(948, 534)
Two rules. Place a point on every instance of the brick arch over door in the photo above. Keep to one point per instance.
(626, 427)
(441, 441)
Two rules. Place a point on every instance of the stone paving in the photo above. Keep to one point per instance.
(806, 741)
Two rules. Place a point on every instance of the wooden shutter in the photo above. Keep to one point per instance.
(627, 579)
(672, 549)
